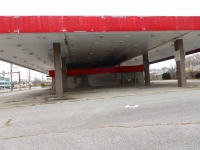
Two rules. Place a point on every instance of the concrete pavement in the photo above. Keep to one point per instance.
(163, 120)
(40, 96)
(17, 90)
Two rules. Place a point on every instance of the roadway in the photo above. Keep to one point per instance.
(159, 117)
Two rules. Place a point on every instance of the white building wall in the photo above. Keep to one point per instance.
(109, 79)
(71, 83)
(103, 79)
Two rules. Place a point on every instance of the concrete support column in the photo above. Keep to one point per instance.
(53, 84)
(180, 62)
(64, 69)
(122, 78)
(58, 70)
(146, 69)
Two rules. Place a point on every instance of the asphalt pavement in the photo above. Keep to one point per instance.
(166, 120)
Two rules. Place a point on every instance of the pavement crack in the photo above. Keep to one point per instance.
(3, 127)
(8, 122)
(111, 126)
(21, 136)
(141, 126)
(103, 127)
(32, 135)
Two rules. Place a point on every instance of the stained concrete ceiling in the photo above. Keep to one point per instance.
(84, 50)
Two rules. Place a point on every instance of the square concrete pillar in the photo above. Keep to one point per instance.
(146, 69)
(122, 78)
(180, 62)
(58, 70)
(64, 69)
(53, 84)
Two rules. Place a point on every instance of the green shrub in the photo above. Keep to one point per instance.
(197, 75)
(166, 76)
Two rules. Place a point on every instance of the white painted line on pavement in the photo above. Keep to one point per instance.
(132, 106)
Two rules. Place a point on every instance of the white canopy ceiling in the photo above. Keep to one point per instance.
(83, 49)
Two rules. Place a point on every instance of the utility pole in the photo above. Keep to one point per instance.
(11, 80)
(29, 79)
(19, 82)
(19, 79)
(3, 82)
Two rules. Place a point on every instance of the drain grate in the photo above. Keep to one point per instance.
(132, 106)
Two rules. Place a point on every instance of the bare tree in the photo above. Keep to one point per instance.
(189, 63)
(36, 81)
(196, 59)
(172, 70)
(164, 68)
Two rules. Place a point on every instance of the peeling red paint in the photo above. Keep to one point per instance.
(39, 24)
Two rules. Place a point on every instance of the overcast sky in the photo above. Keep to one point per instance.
(101, 7)
(23, 72)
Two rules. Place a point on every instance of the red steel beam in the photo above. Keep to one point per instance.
(48, 24)
(88, 71)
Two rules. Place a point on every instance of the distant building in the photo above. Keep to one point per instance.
(4, 82)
